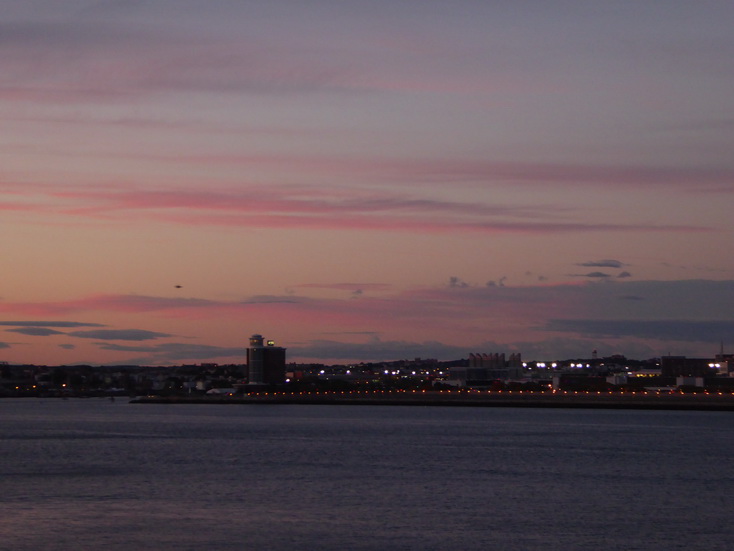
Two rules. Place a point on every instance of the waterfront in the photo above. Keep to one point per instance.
(91, 473)
(667, 400)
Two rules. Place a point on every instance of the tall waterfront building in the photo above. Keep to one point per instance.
(265, 362)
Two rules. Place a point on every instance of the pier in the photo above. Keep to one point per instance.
(704, 401)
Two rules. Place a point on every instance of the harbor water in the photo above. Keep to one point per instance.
(96, 474)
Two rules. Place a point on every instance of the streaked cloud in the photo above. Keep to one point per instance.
(712, 331)
(704, 298)
(50, 324)
(70, 56)
(377, 350)
(119, 334)
(464, 313)
(423, 175)
(478, 172)
(601, 264)
(320, 209)
(36, 331)
(596, 275)
(352, 287)
(136, 304)
(167, 353)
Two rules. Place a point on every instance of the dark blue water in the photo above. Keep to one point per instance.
(93, 474)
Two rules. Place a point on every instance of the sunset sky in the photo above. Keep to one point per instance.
(365, 180)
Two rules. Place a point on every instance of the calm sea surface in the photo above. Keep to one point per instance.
(95, 474)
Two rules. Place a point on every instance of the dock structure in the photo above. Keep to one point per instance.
(589, 400)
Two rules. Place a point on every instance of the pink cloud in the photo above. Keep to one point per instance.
(477, 171)
(109, 63)
(461, 316)
(19, 207)
(317, 208)
(471, 310)
(347, 286)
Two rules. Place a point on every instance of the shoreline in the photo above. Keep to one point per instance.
(584, 400)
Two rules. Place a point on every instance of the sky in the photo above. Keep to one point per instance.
(365, 181)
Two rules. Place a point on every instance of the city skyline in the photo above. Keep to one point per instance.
(365, 182)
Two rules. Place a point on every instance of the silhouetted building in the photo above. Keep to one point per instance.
(680, 366)
(485, 368)
(723, 363)
(265, 362)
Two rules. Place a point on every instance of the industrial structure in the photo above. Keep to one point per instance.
(484, 369)
(265, 362)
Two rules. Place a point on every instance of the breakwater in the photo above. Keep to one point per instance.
(705, 401)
